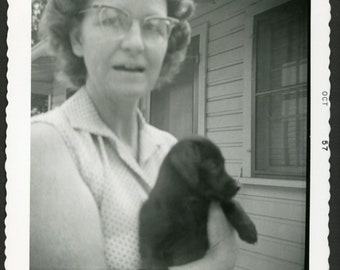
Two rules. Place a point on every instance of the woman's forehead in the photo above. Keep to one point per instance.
(138, 8)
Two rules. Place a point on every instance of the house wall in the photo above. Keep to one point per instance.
(43, 75)
(43, 79)
(278, 207)
(225, 80)
(59, 94)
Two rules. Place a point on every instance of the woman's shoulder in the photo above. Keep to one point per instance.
(49, 151)
(45, 134)
(52, 117)
(61, 204)
(51, 130)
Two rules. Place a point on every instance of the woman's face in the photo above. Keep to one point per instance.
(120, 65)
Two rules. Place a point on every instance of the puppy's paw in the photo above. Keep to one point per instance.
(241, 221)
(248, 232)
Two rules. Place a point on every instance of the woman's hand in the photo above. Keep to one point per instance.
(223, 248)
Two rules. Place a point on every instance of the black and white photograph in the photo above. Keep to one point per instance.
(168, 134)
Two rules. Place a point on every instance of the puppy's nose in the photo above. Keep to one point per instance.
(231, 189)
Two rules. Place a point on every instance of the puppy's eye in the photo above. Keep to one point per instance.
(212, 167)
(216, 170)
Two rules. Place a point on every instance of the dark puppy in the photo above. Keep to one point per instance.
(173, 221)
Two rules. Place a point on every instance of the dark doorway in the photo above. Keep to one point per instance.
(174, 107)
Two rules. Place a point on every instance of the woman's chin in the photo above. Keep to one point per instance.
(131, 89)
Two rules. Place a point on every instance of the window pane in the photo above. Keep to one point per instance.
(281, 90)
(281, 132)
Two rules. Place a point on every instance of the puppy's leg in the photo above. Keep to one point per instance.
(240, 221)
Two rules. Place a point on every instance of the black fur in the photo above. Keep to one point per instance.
(173, 221)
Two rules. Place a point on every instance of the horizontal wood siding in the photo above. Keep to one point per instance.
(41, 87)
(254, 261)
(220, 121)
(231, 56)
(226, 43)
(279, 215)
(226, 88)
(278, 212)
(225, 76)
(219, 105)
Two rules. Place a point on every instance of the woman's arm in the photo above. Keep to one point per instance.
(222, 253)
(65, 231)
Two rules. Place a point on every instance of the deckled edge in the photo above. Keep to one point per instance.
(17, 165)
(320, 128)
(17, 150)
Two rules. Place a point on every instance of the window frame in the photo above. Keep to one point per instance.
(248, 165)
(274, 173)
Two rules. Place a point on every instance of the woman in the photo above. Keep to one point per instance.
(94, 159)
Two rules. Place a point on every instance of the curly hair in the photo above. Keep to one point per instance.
(59, 17)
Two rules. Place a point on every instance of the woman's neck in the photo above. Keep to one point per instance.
(120, 115)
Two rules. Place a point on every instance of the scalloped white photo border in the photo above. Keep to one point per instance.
(18, 139)
(319, 138)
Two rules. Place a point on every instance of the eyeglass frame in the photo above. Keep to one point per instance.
(173, 21)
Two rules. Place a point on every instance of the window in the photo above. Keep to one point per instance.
(281, 65)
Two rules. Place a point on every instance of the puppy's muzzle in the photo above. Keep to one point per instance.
(230, 189)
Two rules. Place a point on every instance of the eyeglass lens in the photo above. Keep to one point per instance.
(118, 23)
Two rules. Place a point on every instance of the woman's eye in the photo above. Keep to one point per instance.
(110, 18)
(110, 21)
(155, 27)
(149, 26)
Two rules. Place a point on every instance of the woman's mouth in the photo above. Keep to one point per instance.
(129, 68)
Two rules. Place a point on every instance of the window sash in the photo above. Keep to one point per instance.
(281, 68)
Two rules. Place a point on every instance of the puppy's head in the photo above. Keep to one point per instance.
(201, 165)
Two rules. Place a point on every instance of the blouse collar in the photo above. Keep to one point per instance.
(83, 115)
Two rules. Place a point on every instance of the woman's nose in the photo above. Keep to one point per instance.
(133, 40)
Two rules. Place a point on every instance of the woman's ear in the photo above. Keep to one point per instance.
(76, 41)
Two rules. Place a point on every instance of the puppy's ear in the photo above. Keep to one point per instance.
(185, 162)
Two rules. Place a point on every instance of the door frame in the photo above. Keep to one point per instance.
(199, 102)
